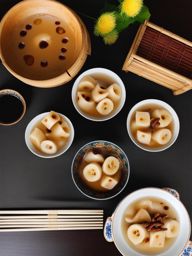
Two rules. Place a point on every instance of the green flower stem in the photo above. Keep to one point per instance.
(87, 16)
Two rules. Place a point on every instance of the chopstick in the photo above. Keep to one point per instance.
(49, 229)
(44, 220)
(69, 224)
(51, 217)
(46, 212)
(49, 220)
(55, 221)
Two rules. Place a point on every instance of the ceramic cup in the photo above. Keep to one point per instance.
(31, 126)
(109, 147)
(105, 73)
(161, 104)
(113, 231)
(13, 107)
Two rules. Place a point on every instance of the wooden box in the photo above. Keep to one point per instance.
(162, 57)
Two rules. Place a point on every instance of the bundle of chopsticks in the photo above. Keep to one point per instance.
(45, 220)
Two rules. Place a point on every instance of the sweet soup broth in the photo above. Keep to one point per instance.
(159, 206)
(96, 185)
(104, 82)
(148, 108)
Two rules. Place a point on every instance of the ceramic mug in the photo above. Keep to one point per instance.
(113, 233)
(13, 108)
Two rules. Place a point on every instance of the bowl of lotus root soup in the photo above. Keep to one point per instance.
(98, 94)
(150, 221)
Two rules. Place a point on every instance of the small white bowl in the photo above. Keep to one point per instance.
(103, 72)
(32, 125)
(176, 124)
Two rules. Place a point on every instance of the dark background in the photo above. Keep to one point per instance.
(27, 181)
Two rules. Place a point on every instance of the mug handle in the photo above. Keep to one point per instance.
(108, 235)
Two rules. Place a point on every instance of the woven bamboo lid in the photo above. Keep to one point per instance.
(43, 43)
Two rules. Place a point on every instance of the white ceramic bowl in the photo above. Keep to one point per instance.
(162, 104)
(103, 72)
(33, 123)
(185, 226)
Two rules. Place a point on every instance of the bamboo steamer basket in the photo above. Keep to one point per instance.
(43, 43)
(162, 57)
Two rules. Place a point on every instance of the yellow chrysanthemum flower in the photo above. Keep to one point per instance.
(131, 7)
(111, 38)
(105, 23)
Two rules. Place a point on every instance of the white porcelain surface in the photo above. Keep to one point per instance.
(32, 125)
(111, 75)
(164, 105)
(183, 218)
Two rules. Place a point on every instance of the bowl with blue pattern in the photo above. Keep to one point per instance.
(110, 149)
(113, 231)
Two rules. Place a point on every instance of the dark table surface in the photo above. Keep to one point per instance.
(29, 182)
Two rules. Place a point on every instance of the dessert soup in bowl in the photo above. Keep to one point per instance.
(153, 125)
(150, 221)
(98, 94)
(100, 170)
(49, 135)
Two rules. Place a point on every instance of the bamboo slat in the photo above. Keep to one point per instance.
(134, 46)
(170, 34)
(149, 76)
(164, 70)
(165, 77)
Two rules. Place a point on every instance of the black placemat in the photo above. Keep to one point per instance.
(27, 181)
